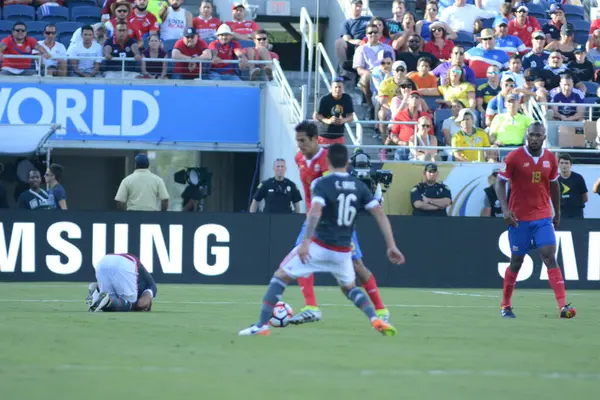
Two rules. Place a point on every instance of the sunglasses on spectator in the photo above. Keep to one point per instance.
(386, 62)
(425, 125)
(261, 39)
(437, 30)
(372, 33)
(486, 39)
(50, 32)
(400, 69)
(458, 53)
(530, 79)
(20, 30)
(539, 38)
(494, 73)
(457, 71)
(405, 87)
(522, 11)
(510, 85)
(122, 10)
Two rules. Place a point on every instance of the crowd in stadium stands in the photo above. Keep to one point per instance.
(79, 38)
(466, 72)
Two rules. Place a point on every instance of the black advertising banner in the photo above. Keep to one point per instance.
(451, 252)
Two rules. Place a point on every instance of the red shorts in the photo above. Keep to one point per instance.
(340, 140)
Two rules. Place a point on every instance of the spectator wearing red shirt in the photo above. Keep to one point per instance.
(523, 25)
(190, 47)
(22, 2)
(19, 44)
(439, 46)
(205, 24)
(225, 48)
(122, 11)
(141, 20)
(401, 134)
(107, 8)
(261, 53)
(242, 30)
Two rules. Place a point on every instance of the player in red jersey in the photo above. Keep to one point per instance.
(312, 162)
(533, 173)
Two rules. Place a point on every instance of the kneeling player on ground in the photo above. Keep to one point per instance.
(336, 200)
(123, 284)
(312, 162)
(533, 175)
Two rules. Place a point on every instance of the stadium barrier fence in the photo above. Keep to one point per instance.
(451, 252)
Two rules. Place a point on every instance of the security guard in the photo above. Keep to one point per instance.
(278, 192)
(491, 204)
(430, 198)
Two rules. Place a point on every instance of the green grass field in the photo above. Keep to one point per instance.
(451, 345)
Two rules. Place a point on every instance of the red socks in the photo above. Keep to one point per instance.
(557, 282)
(510, 278)
(307, 285)
(373, 292)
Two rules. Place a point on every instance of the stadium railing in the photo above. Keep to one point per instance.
(307, 31)
(123, 70)
(297, 110)
(321, 56)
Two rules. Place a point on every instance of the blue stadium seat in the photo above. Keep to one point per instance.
(542, 21)
(65, 31)
(80, 3)
(581, 25)
(86, 14)
(65, 40)
(573, 12)
(488, 23)
(53, 14)
(590, 100)
(36, 27)
(38, 36)
(18, 12)
(168, 45)
(438, 120)
(431, 101)
(581, 37)
(536, 10)
(6, 28)
(592, 88)
(464, 38)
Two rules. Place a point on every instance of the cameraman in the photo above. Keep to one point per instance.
(430, 197)
(335, 109)
(278, 192)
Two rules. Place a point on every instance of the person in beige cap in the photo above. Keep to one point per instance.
(480, 58)
(469, 136)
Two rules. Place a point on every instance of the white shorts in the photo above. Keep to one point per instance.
(117, 276)
(321, 260)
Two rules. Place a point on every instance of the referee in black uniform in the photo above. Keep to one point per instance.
(278, 192)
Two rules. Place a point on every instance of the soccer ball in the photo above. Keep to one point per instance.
(281, 315)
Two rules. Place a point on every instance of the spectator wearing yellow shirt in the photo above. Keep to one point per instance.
(469, 136)
(455, 88)
(509, 128)
(386, 92)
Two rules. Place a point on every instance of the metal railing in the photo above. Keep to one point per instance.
(307, 31)
(590, 107)
(297, 111)
(39, 64)
(321, 55)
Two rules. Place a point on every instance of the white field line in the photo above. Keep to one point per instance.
(568, 376)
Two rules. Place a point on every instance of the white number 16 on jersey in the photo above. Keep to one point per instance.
(346, 209)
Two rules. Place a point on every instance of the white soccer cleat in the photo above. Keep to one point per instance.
(101, 301)
(92, 295)
(255, 330)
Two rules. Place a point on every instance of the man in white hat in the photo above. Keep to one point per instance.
(225, 48)
(480, 58)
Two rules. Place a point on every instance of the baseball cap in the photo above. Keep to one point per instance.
(507, 76)
(142, 161)
(500, 21)
(529, 75)
(579, 49)
(567, 28)
(487, 33)
(190, 32)
(538, 34)
(522, 6)
(236, 5)
(382, 55)
(431, 167)
(224, 29)
(398, 64)
(462, 113)
(511, 97)
(437, 24)
(554, 8)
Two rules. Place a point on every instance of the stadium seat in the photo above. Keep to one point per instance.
(464, 38)
(480, 81)
(6, 28)
(65, 40)
(80, 3)
(581, 37)
(438, 120)
(38, 36)
(36, 27)
(488, 23)
(18, 12)
(536, 10)
(543, 21)
(431, 101)
(85, 14)
(591, 88)
(53, 14)
(590, 99)
(581, 25)
(65, 31)
(573, 12)
(169, 44)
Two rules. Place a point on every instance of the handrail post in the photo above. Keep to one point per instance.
(304, 101)
(303, 45)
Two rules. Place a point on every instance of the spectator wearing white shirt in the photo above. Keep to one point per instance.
(88, 47)
(462, 16)
(100, 34)
(57, 65)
